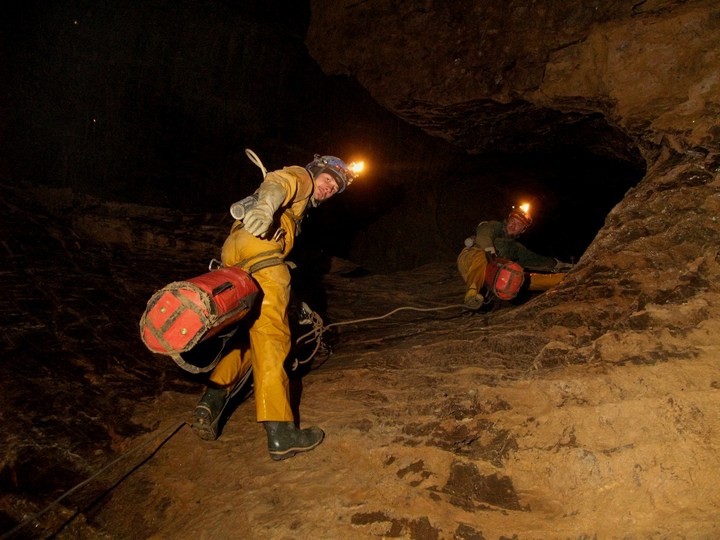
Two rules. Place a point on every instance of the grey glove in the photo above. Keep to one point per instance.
(562, 266)
(259, 220)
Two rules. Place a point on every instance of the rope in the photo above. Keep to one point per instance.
(174, 428)
(367, 319)
(256, 160)
(319, 328)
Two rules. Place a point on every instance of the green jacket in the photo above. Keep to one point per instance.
(493, 234)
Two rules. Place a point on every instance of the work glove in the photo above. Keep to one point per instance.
(562, 266)
(490, 253)
(259, 220)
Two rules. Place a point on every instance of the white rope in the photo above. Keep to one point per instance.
(319, 328)
(174, 428)
(256, 160)
(367, 319)
(316, 333)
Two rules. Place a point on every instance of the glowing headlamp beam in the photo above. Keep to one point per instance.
(356, 168)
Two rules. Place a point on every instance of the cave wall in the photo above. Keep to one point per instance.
(155, 105)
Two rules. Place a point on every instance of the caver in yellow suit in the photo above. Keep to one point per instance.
(495, 238)
(258, 243)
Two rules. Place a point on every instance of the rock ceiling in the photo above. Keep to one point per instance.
(514, 75)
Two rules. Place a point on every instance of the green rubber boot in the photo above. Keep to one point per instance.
(285, 440)
(207, 413)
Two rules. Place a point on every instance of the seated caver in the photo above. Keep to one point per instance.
(499, 239)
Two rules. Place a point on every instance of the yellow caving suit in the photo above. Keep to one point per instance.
(472, 264)
(269, 334)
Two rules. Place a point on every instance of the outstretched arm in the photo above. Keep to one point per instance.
(270, 197)
(534, 262)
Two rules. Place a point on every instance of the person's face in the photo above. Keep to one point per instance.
(325, 187)
(515, 227)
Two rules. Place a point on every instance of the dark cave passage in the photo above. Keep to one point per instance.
(571, 194)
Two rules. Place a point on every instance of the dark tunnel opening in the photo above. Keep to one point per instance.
(571, 193)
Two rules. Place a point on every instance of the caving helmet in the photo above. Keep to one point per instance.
(522, 214)
(335, 167)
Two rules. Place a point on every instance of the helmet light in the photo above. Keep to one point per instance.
(522, 214)
(356, 167)
(344, 174)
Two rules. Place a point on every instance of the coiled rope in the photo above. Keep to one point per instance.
(319, 328)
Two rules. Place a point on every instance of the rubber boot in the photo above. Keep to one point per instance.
(472, 264)
(285, 440)
(473, 299)
(206, 415)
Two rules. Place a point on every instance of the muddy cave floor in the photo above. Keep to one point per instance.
(438, 423)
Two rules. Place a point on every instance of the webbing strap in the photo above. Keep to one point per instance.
(195, 369)
(192, 368)
(274, 261)
(250, 268)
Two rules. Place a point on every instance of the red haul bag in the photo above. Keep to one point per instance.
(504, 278)
(184, 313)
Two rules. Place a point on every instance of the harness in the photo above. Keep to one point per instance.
(265, 263)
